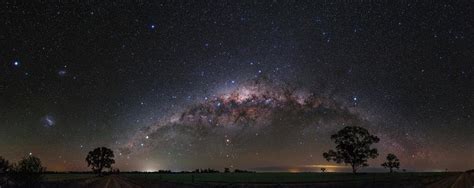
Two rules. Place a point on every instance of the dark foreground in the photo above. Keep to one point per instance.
(369, 180)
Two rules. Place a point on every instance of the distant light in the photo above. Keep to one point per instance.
(16, 63)
(355, 98)
(30, 153)
(150, 170)
(233, 81)
(153, 26)
(146, 137)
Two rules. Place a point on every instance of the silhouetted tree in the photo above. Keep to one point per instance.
(226, 170)
(392, 162)
(323, 169)
(100, 158)
(4, 170)
(353, 147)
(28, 172)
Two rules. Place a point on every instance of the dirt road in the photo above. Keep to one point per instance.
(112, 182)
(464, 180)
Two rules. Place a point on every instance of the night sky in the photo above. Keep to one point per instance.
(252, 85)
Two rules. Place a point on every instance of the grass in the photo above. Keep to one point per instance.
(285, 177)
(67, 176)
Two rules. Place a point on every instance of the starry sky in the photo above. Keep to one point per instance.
(242, 84)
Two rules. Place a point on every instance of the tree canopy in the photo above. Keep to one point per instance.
(353, 147)
(28, 171)
(4, 169)
(100, 158)
(392, 162)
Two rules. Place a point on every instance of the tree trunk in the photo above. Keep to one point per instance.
(354, 170)
(391, 170)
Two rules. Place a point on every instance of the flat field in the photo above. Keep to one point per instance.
(283, 177)
(428, 179)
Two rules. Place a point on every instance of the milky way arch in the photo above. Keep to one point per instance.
(257, 116)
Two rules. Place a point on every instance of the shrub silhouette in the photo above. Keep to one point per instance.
(4, 170)
(392, 162)
(100, 158)
(243, 171)
(28, 172)
(353, 147)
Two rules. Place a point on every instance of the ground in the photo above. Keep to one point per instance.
(136, 180)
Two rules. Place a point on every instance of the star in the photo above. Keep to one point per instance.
(16, 63)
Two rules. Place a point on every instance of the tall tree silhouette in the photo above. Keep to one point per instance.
(392, 162)
(100, 158)
(352, 147)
